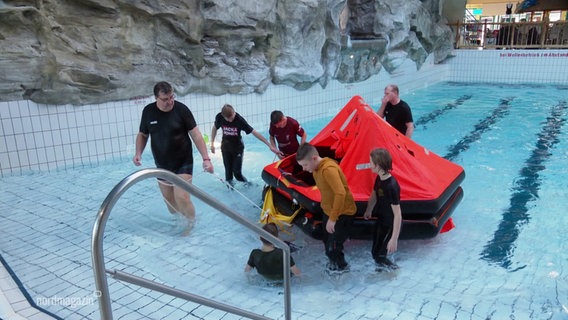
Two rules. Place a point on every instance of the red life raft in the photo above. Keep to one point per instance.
(430, 185)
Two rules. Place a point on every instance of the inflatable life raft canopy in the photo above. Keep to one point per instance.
(430, 184)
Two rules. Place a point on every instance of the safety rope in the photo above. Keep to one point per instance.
(265, 216)
(228, 185)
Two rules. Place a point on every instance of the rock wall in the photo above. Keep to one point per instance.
(92, 51)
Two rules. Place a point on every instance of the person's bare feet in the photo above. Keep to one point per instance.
(189, 223)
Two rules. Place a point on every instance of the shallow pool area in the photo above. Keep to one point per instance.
(505, 259)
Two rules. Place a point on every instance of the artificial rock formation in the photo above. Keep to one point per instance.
(91, 51)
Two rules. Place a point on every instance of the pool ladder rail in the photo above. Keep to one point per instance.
(101, 272)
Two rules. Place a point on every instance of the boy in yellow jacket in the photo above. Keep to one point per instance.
(337, 202)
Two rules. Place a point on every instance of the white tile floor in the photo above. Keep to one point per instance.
(13, 304)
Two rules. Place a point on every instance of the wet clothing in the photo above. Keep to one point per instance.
(338, 205)
(398, 115)
(233, 163)
(232, 146)
(269, 264)
(333, 242)
(169, 135)
(185, 169)
(286, 136)
(336, 198)
(388, 194)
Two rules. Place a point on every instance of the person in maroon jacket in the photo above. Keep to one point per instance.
(284, 131)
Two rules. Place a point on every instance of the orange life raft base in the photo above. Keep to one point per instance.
(430, 184)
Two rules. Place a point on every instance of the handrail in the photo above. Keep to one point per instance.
(511, 35)
(98, 256)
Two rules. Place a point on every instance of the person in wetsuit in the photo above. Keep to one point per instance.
(384, 203)
(171, 127)
(232, 147)
(396, 112)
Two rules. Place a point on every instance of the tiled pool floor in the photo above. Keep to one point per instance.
(506, 258)
(14, 303)
(441, 278)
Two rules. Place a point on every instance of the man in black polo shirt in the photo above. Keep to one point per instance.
(396, 112)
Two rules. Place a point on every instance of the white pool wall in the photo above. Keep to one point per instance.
(38, 137)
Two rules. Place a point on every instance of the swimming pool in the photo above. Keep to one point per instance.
(505, 258)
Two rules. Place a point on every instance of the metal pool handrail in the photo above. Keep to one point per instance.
(98, 256)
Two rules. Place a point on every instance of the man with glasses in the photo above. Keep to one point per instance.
(167, 122)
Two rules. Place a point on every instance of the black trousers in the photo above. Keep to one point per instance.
(233, 162)
(380, 240)
(333, 242)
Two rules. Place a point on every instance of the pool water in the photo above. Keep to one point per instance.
(506, 258)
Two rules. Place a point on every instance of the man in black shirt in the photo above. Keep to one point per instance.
(167, 122)
(396, 112)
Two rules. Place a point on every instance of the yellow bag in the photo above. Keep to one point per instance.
(270, 213)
